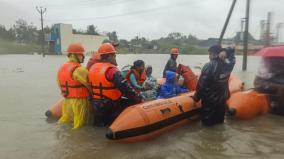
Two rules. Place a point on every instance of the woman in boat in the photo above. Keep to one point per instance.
(136, 75)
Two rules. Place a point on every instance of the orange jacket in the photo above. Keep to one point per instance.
(140, 78)
(69, 87)
(102, 88)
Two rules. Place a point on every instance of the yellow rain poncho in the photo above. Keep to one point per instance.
(76, 109)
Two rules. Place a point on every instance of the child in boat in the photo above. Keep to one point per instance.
(170, 88)
(151, 84)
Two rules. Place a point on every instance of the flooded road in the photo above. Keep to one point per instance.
(28, 88)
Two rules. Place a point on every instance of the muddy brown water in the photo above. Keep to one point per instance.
(28, 87)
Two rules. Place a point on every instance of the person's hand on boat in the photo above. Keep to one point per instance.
(194, 99)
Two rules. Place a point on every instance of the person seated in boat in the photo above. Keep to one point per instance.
(213, 87)
(171, 64)
(170, 88)
(151, 84)
(270, 80)
(109, 87)
(73, 82)
(136, 75)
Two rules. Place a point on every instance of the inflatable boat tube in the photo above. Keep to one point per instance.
(247, 104)
(235, 84)
(55, 110)
(150, 119)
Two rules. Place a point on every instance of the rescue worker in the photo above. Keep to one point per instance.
(73, 82)
(108, 87)
(136, 75)
(171, 64)
(170, 88)
(213, 87)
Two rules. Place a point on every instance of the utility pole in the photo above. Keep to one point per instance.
(262, 30)
(245, 49)
(41, 11)
(226, 22)
(267, 34)
(278, 27)
(242, 29)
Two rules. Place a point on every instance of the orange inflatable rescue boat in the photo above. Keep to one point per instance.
(247, 104)
(235, 84)
(56, 110)
(150, 119)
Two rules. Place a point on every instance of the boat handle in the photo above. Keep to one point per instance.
(166, 110)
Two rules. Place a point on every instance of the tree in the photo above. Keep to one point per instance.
(6, 34)
(25, 33)
(92, 30)
(112, 36)
(174, 35)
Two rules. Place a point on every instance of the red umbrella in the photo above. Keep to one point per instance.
(277, 51)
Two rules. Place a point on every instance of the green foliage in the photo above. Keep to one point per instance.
(25, 33)
(186, 44)
(6, 34)
(92, 30)
(112, 36)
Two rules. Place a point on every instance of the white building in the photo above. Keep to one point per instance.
(62, 36)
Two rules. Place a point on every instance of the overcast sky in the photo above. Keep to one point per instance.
(148, 18)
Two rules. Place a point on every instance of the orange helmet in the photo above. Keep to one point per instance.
(76, 48)
(174, 51)
(106, 48)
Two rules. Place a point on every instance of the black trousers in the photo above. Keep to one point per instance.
(106, 110)
(212, 113)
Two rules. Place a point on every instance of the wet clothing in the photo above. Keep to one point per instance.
(135, 79)
(213, 88)
(170, 66)
(106, 109)
(76, 110)
(150, 83)
(270, 80)
(169, 88)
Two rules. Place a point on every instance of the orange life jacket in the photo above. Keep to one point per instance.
(190, 79)
(102, 88)
(69, 87)
(140, 78)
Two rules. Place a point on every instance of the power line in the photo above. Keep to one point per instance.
(122, 14)
(89, 4)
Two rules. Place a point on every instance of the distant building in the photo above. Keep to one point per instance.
(62, 36)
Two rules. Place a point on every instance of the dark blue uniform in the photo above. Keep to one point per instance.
(213, 88)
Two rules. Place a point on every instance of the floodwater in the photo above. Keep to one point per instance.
(28, 88)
